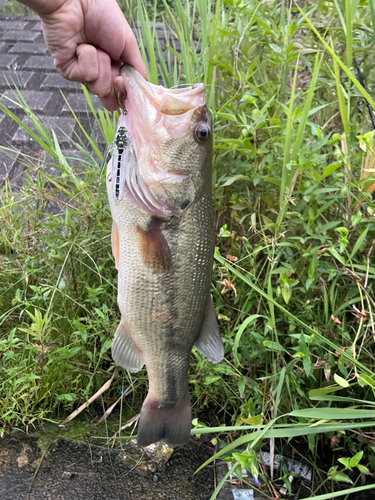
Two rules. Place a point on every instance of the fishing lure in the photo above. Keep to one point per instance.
(118, 166)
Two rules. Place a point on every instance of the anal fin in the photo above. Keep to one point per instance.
(209, 342)
(125, 352)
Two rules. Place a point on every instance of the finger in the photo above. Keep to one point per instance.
(86, 67)
(110, 101)
(102, 85)
(120, 85)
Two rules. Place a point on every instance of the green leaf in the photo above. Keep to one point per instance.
(236, 178)
(340, 381)
(67, 397)
(273, 346)
(276, 432)
(337, 256)
(354, 461)
(342, 493)
(345, 462)
(226, 116)
(241, 330)
(367, 380)
(324, 340)
(340, 476)
(333, 413)
(362, 469)
(359, 242)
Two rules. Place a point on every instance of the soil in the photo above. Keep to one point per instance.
(66, 469)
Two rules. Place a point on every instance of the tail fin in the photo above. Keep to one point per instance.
(158, 422)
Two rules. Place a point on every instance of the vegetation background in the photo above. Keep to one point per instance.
(294, 271)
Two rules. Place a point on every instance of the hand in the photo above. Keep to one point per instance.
(89, 41)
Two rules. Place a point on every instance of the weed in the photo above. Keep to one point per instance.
(294, 267)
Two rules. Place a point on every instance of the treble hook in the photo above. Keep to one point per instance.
(121, 100)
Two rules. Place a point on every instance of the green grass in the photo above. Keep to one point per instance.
(14, 7)
(293, 181)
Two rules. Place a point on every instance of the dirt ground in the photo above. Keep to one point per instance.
(77, 470)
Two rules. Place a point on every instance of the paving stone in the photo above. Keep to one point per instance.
(3, 47)
(19, 78)
(60, 125)
(12, 25)
(54, 81)
(20, 36)
(38, 101)
(29, 48)
(37, 27)
(7, 61)
(94, 132)
(32, 17)
(8, 15)
(8, 127)
(7, 161)
(79, 104)
(40, 63)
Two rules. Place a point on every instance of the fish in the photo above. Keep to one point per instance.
(160, 195)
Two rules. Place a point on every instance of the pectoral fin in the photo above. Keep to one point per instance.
(154, 249)
(115, 244)
(209, 342)
(124, 350)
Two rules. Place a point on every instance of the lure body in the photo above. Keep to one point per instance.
(117, 172)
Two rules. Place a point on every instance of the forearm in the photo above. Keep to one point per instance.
(43, 7)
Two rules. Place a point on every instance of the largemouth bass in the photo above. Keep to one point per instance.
(159, 190)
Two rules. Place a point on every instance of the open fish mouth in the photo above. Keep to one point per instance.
(153, 117)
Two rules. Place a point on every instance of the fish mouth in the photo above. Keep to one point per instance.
(161, 105)
(155, 115)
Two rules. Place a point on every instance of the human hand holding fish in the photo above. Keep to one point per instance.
(159, 191)
(89, 41)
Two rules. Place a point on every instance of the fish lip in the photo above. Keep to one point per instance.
(181, 100)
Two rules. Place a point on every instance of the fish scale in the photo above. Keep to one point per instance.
(163, 243)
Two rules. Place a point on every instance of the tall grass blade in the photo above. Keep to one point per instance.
(289, 172)
(342, 493)
(149, 38)
(349, 34)
(286, 433)
(340, 95)
(222, 482)
(341, 17)
(279, 389)
(92, 143)
(372, 8)
(346, 70)
(288, 139)
(325, 340)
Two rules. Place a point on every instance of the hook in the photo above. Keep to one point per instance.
(121, 100)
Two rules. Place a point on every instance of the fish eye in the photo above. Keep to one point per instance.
(202, 132)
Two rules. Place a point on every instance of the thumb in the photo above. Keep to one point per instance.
(131, 54)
